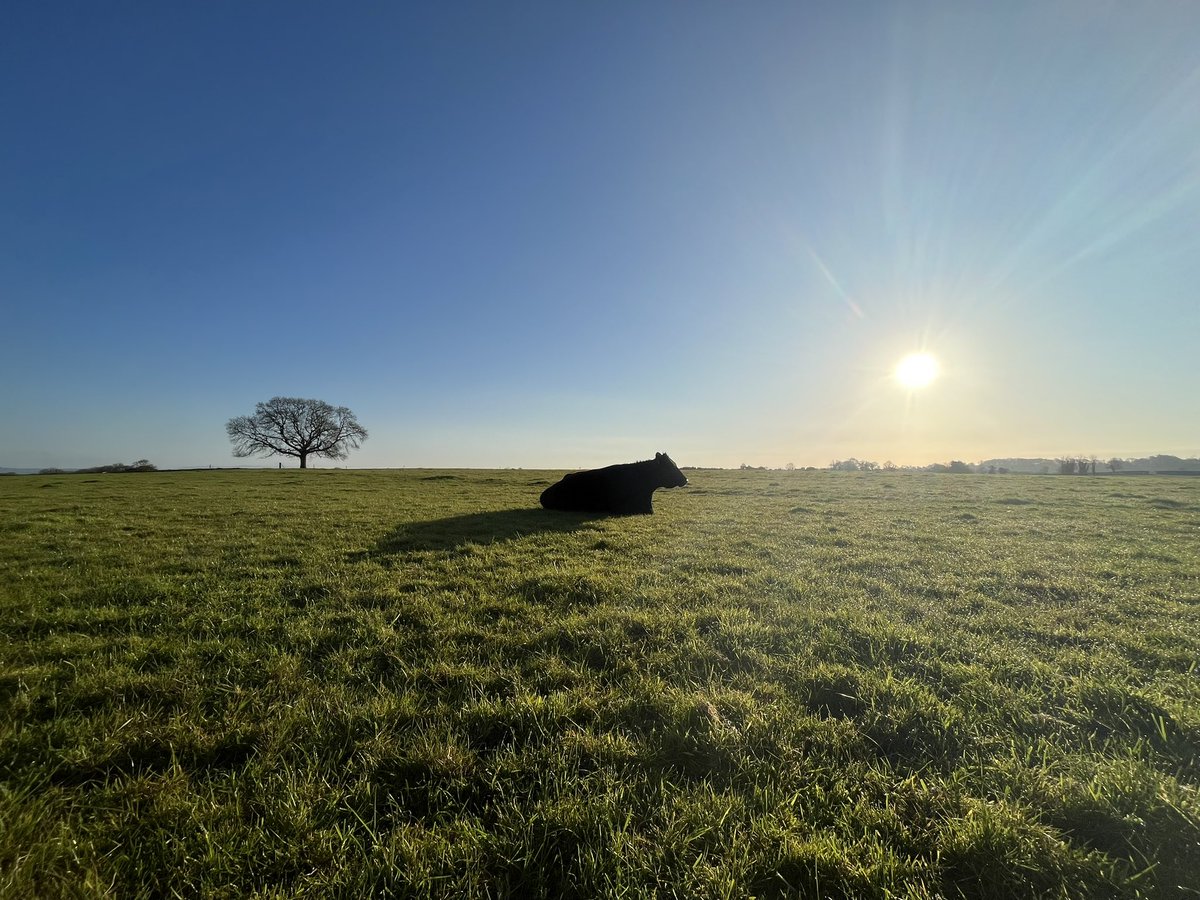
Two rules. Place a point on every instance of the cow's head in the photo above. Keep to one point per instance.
(671, 475)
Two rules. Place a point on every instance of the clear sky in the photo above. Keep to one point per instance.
(567, 234)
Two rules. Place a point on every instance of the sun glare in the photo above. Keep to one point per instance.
(917, 370)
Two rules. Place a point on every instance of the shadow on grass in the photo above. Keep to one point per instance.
(476, 528)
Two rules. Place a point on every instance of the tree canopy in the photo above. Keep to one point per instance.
(292, 426)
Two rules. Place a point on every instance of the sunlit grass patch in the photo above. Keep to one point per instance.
(781, 684)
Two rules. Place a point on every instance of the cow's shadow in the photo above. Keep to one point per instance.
(475, 528)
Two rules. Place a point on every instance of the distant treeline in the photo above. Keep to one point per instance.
(1072, 465)
(1160, 464)
(141, 465)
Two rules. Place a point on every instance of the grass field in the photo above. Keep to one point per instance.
(416, 683)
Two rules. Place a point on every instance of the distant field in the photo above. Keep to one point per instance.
(417, 683)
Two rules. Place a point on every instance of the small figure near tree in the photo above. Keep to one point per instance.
(291, 426)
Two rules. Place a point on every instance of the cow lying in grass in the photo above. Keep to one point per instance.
(622, 490)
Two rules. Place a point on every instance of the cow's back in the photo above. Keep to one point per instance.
(580, 491)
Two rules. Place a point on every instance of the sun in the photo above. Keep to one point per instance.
(917, 370)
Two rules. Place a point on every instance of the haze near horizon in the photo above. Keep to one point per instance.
(559, 236)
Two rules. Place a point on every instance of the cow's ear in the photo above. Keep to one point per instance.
(658, 456)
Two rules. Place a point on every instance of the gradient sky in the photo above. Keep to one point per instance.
(565, 234)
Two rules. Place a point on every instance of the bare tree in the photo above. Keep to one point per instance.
(291, 426)
(1115, 464)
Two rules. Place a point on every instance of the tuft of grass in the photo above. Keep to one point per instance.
(351, 683)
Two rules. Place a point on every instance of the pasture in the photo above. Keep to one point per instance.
(418, 684)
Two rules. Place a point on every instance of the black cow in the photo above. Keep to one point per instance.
(623, 490)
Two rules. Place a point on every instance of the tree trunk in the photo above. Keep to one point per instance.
(304, 460)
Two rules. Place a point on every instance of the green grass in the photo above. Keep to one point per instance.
(341, 683)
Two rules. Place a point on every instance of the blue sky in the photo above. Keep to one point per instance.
(560, 235)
